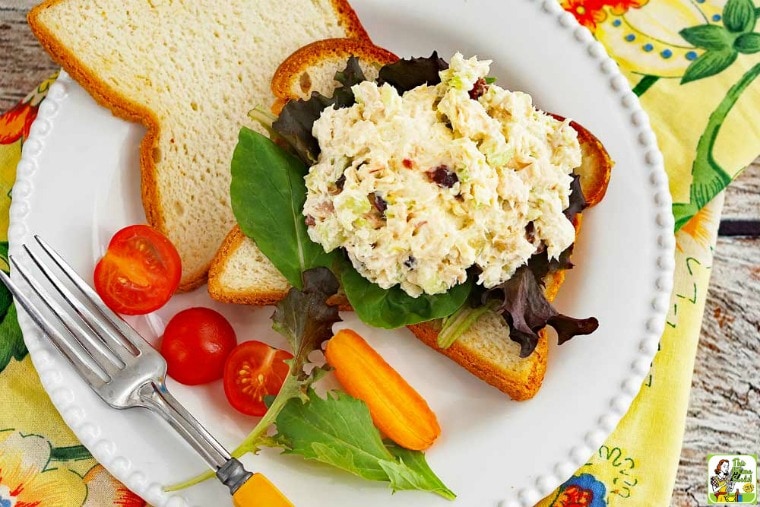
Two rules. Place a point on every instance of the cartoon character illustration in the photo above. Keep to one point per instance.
(722, 485)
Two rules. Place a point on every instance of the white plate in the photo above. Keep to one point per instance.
(78, 183)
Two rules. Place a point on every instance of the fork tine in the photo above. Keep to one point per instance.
(105, 342)
(76, 356)
(92, 345)
(131, 339)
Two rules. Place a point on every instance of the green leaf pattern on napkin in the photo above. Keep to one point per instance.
(722, 45)
(12, 344)
(715, 37)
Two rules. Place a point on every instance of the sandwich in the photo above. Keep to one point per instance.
(242, 273)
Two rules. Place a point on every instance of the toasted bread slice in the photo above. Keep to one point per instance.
(486, 351)
(312, 68)
(189, 71)
(242, 274)
(239, 271)
(596, 165)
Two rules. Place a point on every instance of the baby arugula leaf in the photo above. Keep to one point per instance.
(267, 195)
(423, 477)
(337, 430)
(333, 431)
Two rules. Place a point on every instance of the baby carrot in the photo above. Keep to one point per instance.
(396, 408)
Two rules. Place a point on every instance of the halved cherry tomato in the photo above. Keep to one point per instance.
(196, 344)
(252, 371)
(139, 272)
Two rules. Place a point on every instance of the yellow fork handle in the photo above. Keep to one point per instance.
(258, 491)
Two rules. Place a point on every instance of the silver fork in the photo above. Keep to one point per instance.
(121, 367)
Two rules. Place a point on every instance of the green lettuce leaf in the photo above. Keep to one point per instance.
(524, 306)
(337, 430)
(298, 116)
(267, 195)
(305, 319)
(409, 73)
(392, 308)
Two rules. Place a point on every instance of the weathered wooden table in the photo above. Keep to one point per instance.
(724, 412)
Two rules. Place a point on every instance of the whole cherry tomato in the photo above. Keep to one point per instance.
(252, 371)
(139, 272)
(196, 344)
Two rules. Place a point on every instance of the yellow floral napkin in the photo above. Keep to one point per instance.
(693, 64)
(41, 461)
